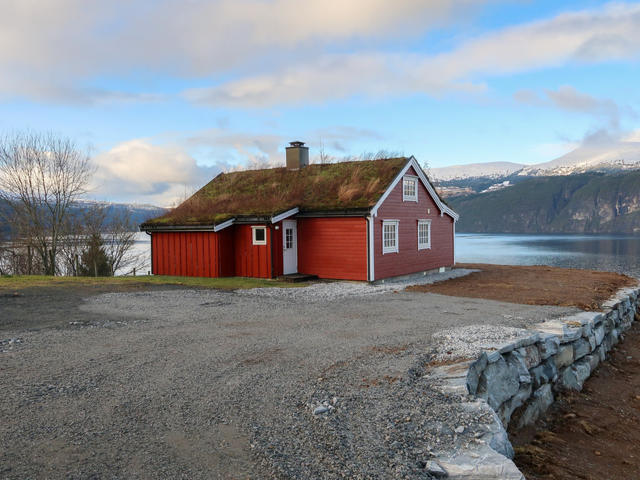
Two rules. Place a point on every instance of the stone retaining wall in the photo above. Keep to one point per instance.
(518, 380)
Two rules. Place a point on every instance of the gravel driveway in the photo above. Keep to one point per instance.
(209, 384)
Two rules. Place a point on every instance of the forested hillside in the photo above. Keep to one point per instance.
(585, 203)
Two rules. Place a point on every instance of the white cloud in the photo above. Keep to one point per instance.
(53, 50)
(569, 99)
(609, 33)
(633, 136)
(138, 170)
(143, 171)
(310, 51)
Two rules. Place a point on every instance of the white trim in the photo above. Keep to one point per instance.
(394, 249)
(253, 235)
(224, 225)
(372, 252)
(407, 198)
(290, 255)
(412, 162)
(428, 244)
(454, 243)
(283, 215)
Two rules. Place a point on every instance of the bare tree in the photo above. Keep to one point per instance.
(41, 175)
(322, 154)
(119, 234)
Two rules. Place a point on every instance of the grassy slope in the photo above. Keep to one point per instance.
(564, 204)
(12, 282)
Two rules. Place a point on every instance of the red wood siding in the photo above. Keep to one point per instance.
(333, 247)
(251, 260)
(190, 254)
(409, 259)
(277, 249)
(227, 253)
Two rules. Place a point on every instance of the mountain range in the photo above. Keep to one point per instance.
(139, 213)
(599, 157)
(592, 189)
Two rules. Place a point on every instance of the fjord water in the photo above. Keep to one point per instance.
(595, 252)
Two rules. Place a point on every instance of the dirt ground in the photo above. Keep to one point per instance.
(37, 308)
(593, 434)
(533, 285)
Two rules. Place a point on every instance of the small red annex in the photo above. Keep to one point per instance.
(363, 220)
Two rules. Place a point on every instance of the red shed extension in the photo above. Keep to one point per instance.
(364, 220)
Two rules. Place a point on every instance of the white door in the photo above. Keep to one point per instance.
(290, 246)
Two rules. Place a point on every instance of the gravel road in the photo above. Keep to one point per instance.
(194, 384)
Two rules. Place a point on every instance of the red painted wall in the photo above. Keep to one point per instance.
(333, 247)
(193, 254)
(227, 253)
(409, 259)
(251, 260)
(276, 235)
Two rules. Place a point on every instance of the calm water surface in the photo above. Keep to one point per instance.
(596, 252)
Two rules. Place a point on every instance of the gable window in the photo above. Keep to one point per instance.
(390, 236)
(409, 189)
(424, 234)
(259, 235)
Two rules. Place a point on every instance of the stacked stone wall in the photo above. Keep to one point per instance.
(519, 380)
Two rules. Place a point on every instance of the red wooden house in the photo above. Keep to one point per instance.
(364, 220)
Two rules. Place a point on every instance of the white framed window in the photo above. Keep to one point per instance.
(390, 236)
(288, 238)
(259, 235)
(409, 189)
(424, 234)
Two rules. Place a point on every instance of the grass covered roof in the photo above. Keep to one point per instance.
(267, 192)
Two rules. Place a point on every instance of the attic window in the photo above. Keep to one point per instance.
(259, 235)
(409, 189)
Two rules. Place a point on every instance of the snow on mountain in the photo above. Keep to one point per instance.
(621, 155)
(489, 169)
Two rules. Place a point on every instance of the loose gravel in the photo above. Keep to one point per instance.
(328, 291)
(470, 341)
(208, 384)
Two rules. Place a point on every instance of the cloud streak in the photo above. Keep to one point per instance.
(568, 99)
(48, 49)
(590, 36)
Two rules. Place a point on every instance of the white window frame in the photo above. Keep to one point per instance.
(414, 197)
(424, 246)
(394, 248)
(253, 235)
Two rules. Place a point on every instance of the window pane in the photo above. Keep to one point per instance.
(389, 236)
(409, 187)
(260, 234)
(288, 238)
(423, 234)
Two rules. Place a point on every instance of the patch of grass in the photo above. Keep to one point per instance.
(17, 282)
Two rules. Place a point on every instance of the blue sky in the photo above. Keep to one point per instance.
(168, 93)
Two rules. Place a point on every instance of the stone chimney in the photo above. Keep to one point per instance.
(297, 156)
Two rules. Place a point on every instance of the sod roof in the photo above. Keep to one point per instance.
(267, 192)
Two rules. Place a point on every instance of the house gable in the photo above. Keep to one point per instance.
(413, 168)
(402, 217)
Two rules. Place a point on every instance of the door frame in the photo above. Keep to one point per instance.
(288, 224)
